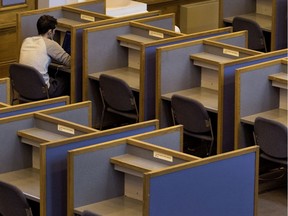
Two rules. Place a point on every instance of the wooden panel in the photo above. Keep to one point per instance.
(8, 48)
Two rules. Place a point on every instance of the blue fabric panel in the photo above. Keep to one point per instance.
(229, 100)
(12, 2)
(31, 109)
(221, 188)
(56, 169)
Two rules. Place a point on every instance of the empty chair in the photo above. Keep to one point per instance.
(194, 118)
(117, 98)
(13, 201)
(271, 136)
(256, 39)
(27, 83)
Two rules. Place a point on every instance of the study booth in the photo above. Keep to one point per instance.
(5, 90)
(204, 70)
(127, 51)
(140, 176)
(267, 99)
(53, 164)
(72, 19)
(271, 15)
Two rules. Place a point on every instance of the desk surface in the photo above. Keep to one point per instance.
(27, 180)
(264, 21)
(208, 97)
(130, 75)
(210, 57)
(279, 115)
(59, 67)
(66, 21)
(135, 38)
(115, 207)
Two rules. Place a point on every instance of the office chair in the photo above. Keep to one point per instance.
(194, 118)
(13, 201)
(89, 213)
(271, 136)
(256, 39)
(117, 98)
(27, 83)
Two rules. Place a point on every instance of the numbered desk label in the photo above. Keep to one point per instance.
(66, 129)
(163, 156)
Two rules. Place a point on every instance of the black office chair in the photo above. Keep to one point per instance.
(271, 136)
(256, 39)
(89, 213)
(194, 118)
(117, 98)
(27, 84)
(13, 201)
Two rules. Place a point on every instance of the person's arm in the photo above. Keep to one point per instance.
(56, 52)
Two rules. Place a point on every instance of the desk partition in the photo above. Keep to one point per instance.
(189, 69)
(127, 50)
(138, 178)
(267, 99)
(271, 15)
(53, 163)
(5, 90)
(33, 106)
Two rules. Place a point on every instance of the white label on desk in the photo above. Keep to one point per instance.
(88, 18)
(66, 129)
(231, 52)
(163, 156)
(156, 34)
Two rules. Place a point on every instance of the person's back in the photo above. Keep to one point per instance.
(38, 51)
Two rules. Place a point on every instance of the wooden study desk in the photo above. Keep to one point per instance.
(279, 115)
(27, 180)
(208, 97)
(279, 79)
(130, 75)
(265, 21)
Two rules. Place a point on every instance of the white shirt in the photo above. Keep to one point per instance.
(38, 51)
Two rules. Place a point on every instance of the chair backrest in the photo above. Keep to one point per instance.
(13, 201)
(256, 39)
(116, 93)
(271, 136)
(28, 82)
(190, 113)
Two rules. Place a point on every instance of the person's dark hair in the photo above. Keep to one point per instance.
(45, 23)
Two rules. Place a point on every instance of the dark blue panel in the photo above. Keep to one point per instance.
(221, 188)
(31, 109)
(56, 169)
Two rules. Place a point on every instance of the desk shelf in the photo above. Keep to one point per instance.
(279, 115)
(130, 75)
(27, 180)
(208, 97)
(115, 207)
(35, 136)
(279, 80)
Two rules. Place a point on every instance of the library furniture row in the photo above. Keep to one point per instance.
(67, 166)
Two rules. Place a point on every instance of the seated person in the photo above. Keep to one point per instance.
(37, 51)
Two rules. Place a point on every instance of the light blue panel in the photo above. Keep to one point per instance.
(222, 188)
(167, 23)
(95, 177)
(12, 2)
(167, 140)
(30, 109)
(3, 93)
(97, 7)
(56, 168)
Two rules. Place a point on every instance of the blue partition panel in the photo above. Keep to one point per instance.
(30, 109)
(3, 93)
(229, 95)
(56, 167)
(224, 187)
